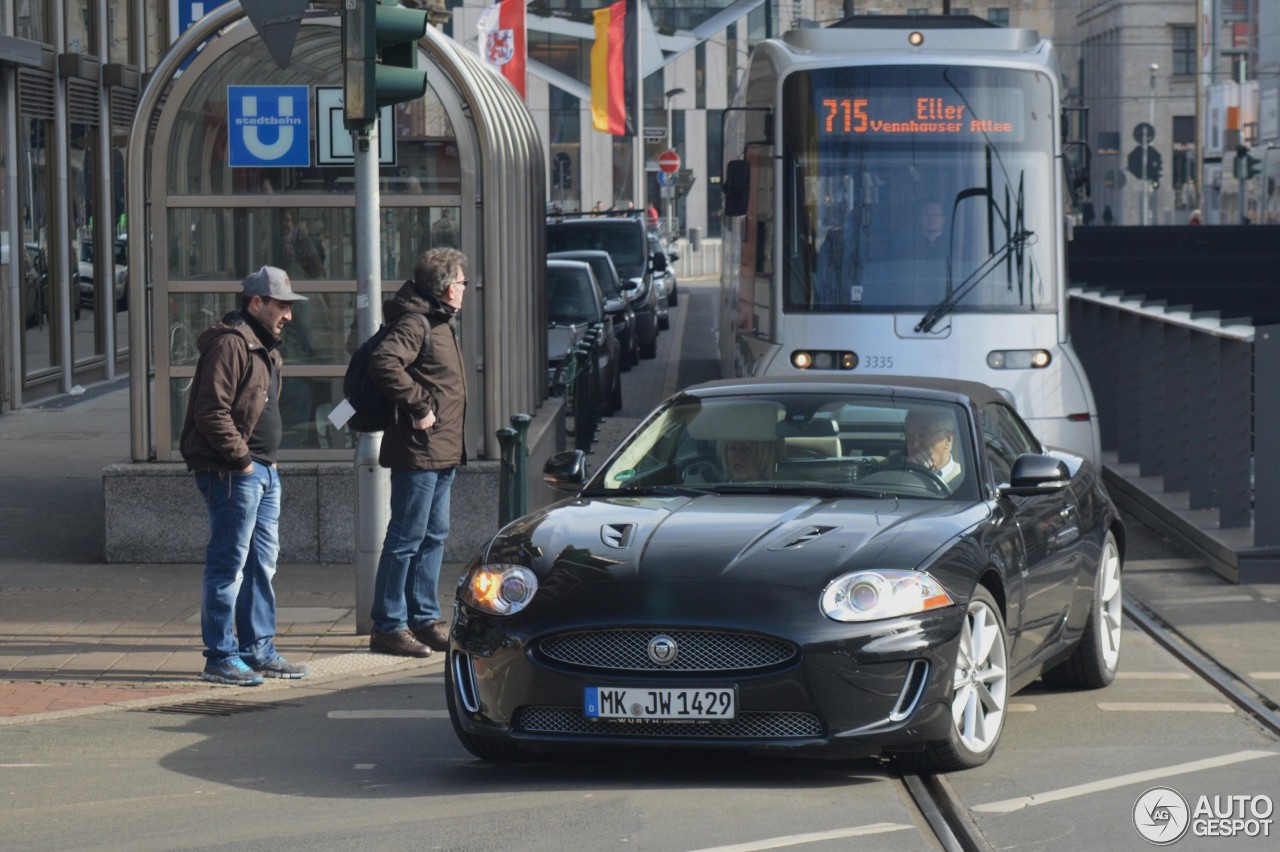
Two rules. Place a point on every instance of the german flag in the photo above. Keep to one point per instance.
(613, 69)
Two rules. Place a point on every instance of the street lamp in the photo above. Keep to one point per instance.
(1147, 212)
(668, 191)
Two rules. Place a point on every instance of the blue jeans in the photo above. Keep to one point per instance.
(404, 592)
(239, 564)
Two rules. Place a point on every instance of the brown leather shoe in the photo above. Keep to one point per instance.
(400, 643)
(434, 635)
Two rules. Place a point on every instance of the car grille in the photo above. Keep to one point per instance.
(700, 650)
(754, 725)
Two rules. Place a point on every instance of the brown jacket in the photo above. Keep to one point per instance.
(436, 382)
(228, 394)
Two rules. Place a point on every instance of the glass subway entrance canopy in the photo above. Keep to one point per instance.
(235, 163)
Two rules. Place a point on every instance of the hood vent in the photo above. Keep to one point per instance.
(617, 535)
(804, 537)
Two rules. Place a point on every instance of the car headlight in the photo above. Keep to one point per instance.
(499, 589)
(870, 595)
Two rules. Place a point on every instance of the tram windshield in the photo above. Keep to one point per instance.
(915, 188)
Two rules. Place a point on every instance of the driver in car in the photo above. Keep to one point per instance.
(930, 435)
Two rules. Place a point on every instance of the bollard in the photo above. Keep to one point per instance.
(520, 496)
(590, 340)
(695, 239)
(581, 402)
(508, 440)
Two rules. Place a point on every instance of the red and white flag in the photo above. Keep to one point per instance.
(502, 40)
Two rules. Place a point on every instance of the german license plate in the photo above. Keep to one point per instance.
(705, 704)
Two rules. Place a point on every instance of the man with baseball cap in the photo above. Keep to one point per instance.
(230, 440)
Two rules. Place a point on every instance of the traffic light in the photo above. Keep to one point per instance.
(1252, 166)
(1245, 166)
(380, 58)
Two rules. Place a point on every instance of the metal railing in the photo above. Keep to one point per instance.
(1187, 397)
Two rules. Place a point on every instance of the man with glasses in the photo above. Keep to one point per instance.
(230, 439)
(419, 367)
(931, 436)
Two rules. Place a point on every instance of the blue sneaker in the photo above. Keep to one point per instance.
(232, 672)
(278, 666)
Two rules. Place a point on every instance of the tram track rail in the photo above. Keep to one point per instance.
(944, 813)
(1232, 686)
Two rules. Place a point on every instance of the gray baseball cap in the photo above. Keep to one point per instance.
(272, 282)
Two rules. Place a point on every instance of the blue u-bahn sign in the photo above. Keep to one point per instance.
(269, 126)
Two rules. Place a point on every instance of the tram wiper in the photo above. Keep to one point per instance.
(1015, 243)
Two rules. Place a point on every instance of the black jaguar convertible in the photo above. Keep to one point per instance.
(817, 566)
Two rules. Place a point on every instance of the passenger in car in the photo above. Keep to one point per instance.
(930, 439)
(746, 461)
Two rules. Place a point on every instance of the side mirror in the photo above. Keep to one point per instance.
(659, 262)
(1036, 474)
(566, 471)
(737, 187)
(672, 256)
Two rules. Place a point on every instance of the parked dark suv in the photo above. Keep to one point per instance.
(627, 242)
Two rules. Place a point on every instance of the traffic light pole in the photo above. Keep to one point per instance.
(1146, 151)
(379, 69)
(373, 482)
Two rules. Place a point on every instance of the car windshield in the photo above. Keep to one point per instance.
(624, 242)
(608, 279)
(569, 296)
(821, 443)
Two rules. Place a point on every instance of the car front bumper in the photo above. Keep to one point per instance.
(851, 688)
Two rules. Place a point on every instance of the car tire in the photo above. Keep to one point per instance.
(485, 748)
(1095, 660)
(650, 348)
(664, 322)
(673, 299)
(615, 396)
(980, 690)
(626, 352)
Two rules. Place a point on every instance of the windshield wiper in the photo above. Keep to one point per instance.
(1015, 243)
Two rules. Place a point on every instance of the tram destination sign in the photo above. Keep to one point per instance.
(918, 114)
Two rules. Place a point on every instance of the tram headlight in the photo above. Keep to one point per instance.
(1019, 359)
(916, 38)
(823, 359)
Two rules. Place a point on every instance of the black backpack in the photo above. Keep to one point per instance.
(373, 410)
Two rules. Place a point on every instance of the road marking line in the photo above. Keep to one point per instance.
(1149, 564)
(364, 766)
(815, 837)
(1165, 706)
(1208, 599)
(1154, 675)
(388, 714)
(1021, 708)
(1008, 806)
(1265, 675)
